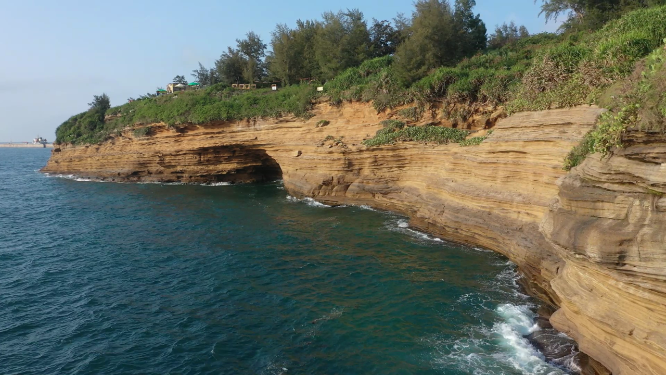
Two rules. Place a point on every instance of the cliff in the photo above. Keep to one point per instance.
(609, 225)
(590, 242)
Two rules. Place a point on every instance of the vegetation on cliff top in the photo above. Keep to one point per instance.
(635, 104)
(395, 131)
(518, 72)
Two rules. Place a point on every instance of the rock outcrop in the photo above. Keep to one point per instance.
(590, 242)
(609, 225)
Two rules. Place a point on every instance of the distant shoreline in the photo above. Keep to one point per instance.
(24, 145)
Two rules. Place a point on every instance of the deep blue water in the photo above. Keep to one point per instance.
(106, 278)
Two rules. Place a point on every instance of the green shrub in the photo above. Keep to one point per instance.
(578, 68)
(639, 106)
(144, 131)
(475, 141)
(411, 113)
(393, 134)
(393, 125)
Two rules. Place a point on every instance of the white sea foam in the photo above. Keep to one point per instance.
(336, 312)
(307, 200)
(402, 225)
(491, 350)
(518, 322)
(73, 177)
(86, 179)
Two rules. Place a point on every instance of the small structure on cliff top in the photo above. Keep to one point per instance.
(174, 87)
(244, 86)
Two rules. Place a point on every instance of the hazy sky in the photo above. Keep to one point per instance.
(57, 54)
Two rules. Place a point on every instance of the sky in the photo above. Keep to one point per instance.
(57, 54)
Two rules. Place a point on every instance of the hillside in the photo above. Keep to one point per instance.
(534, 73)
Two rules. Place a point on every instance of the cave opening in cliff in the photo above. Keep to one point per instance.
(269, 170)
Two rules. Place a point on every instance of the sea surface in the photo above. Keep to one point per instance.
(108, 278)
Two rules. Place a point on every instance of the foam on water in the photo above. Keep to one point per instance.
(307, 200)
(86, 179)
(402, 226)
(73, 177)
(486, 350)
(505, 342)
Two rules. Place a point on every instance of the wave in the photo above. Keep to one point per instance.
(402, 225)
(307, 200)
(73, 177)
(87, 179)
(490, 350)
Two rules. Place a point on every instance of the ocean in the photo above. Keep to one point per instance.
(111, 278)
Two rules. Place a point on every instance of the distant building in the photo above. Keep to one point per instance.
(175, 87)
(244, 86)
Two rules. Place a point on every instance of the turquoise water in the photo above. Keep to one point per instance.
(162, 279)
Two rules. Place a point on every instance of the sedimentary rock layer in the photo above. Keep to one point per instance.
(592, 245)
(609, 225)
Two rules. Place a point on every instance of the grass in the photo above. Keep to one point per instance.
(216, 103)
(395, 131)
(635, 104)
(579, 68)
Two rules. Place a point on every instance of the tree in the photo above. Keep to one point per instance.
(230, 65)
(213, 77)
(202, 75)
(100, 103)
(284, 60)
(402, 27)
(523, 32)
(253, 50)
(294, 54)
(554, 8)
(180, 79)
(506, 34)
(431, 42)
(343, 41)
(470, 28)
(591, 14)
(384, 38)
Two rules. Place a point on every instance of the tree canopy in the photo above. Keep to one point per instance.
(100, 103)
(591, 14)
(507, 34)
(180, 79)
(439, 36)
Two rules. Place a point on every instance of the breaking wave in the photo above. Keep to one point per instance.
(489, 350)
(309, 201)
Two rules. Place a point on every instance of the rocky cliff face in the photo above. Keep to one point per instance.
(590, 242)
(609, 225)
